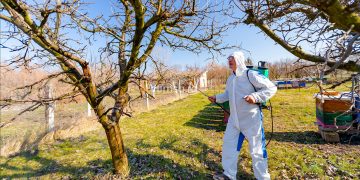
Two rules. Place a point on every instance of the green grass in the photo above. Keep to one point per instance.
(22, 124)
(183, 140)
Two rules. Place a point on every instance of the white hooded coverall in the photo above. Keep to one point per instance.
(245, 119)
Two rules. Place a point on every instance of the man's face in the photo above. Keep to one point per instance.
(232, 63)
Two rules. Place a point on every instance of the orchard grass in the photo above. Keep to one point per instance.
(183, 140)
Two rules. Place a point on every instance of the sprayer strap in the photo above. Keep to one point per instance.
(247, 74)
(261, 105)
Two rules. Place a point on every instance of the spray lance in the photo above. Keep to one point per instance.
(215, 102)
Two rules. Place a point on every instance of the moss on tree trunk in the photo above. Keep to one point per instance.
(116, 144)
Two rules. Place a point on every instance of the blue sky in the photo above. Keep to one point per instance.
(258, 46)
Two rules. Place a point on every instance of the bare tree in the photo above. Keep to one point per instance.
(330, 28)
(41, 31)
(217, 73)
(291, 69)
(160, 72)
(190, 76)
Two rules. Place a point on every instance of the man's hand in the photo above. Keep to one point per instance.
(250, 99)
(212, 99)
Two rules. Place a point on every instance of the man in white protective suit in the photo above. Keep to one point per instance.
(245, 89)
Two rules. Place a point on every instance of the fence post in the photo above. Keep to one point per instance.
(147, 96)
(179, 87)
(174, 87)
(88, 110)
(196, 84)
(49, 109)
(153, 89)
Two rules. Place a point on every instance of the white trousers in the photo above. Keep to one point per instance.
(233, 140)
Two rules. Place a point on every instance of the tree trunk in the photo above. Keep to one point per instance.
(117, 149)
(115, 141)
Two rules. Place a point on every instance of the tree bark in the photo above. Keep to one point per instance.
(115, 141)
(116, 144)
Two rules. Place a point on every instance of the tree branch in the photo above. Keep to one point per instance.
(295, 50)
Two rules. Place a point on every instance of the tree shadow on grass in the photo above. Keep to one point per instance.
(46, 167)
(304, 137)
(148, 165)
(208, 157)
(140, 165)
(155, 166)
(187, 152)
(308, 137)
(210, 118)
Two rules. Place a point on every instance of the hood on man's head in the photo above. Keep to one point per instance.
(240, 62)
